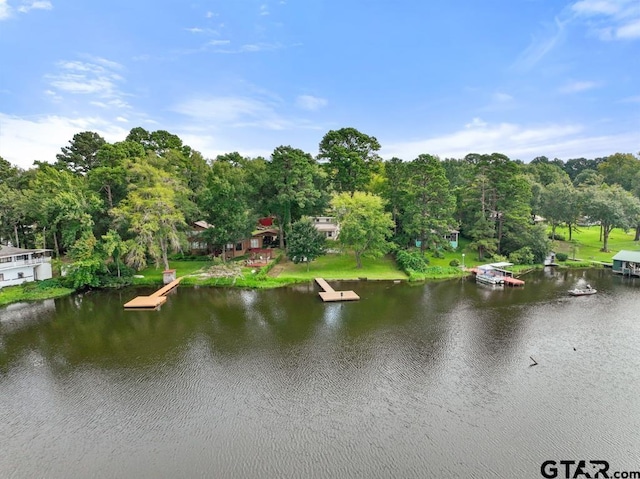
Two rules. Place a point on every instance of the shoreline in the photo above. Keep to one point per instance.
(268, 282)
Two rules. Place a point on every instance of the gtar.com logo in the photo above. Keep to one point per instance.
(567, 469)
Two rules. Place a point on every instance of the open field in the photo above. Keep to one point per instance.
(342, 266)
(588, 243)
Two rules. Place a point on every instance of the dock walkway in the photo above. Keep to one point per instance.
(330, 294)
(153, 301)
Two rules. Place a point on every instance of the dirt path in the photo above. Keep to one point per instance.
(276, 270)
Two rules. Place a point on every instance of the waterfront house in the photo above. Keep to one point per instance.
(451, 237)
(627, 263)
(196, 244)
(19, 265)
(326, 225)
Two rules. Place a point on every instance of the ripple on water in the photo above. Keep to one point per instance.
(428, 381)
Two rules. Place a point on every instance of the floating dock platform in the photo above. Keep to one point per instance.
(330, 294)
(153, 301)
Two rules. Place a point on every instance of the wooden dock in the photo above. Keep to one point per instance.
(153, 301)
(330, 294)
(510, 281)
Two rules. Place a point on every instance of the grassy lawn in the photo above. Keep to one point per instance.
(17, 294)
(589, 244)
(342, 266)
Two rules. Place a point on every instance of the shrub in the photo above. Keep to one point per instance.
(187, 257)
(558, 237)
(454, 262)
(522, 256)
(562, 256)
(411, 261)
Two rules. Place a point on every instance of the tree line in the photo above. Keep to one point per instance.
(110, 208)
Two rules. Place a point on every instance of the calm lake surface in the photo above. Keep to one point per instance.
(411, 381)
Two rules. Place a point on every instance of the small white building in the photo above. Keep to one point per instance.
(326, 225)
(19, 265)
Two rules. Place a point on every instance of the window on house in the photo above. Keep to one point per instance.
(238, 246)
(255, 243)
(229, 245)
(20, 275)
(329, 234)
(8, 259)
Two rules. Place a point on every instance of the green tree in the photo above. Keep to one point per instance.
(305, 242)
(620, 169)
(224, 203)
(352, 157)
(61, 205)
(430, 205)
(115, 247)
(290, 185)
(82, 153)
(482, 234)
(150, 213)
(575, 166)
(393, 190)
(612, 207)
(364, 224)
(560, 204)
(500, 192)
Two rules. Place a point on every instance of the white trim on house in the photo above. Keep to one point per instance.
(19, 265)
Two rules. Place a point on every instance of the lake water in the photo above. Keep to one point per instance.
(430, 380)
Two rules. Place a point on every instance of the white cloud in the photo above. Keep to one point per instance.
(264, 9)
(260, 47)
(578, 86)
(5, 10)
(610, 19)
(35, 5)
(310, 102)
(25, 7)
(629, 31)
(516, 141)
(23, 141)
(234, 112)
(541, 45)
(97, 78)
(596, 7)
(246, 48)
(211, 14)
(476, 123)
(502, 97)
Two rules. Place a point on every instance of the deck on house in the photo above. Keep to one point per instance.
(330, 294)
(153, 301)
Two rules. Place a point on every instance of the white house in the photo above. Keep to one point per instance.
(19, 265)
(326, 225)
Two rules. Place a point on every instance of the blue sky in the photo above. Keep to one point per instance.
(521, 77)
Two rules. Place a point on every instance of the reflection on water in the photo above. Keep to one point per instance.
(411, 381)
